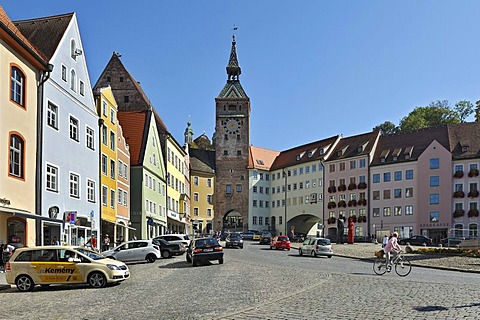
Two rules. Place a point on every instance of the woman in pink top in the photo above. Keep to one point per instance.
(392, 247)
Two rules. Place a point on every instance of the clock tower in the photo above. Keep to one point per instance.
(231, 140)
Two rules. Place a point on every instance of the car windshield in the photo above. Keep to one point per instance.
(266, 234)
(91, 254)
(324, 242)
(282, 239)
(206, 242)
(234, 236)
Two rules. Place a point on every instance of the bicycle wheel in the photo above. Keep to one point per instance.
(379, 266)
(403, 267)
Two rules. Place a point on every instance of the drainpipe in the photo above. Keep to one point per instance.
(39, 151)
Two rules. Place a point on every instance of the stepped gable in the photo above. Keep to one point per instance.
(354, 146)
(135, 125)
(317, 150)
(45, 33)
(128, 93)
(261, 158)
(202, 160)
(8, 24)
(464, 140)
(408, 146)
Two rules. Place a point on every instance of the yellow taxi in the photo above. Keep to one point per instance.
(257, 236)
(48, 265)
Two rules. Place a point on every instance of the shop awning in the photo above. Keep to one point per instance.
(28, 215)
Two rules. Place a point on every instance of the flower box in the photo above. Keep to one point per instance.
(473, 173)
(472, 213)
(352, 186)
(332, 189)
(342, 187)
(473, 193)
(458, 174)
(362, 219)
(362, 202)
(352, 203)
(458, 213)
(331, 220)
(342, 204)
(362, 185)
(459, 194)
(353, 217)
(331, 205)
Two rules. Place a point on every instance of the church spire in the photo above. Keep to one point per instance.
(233, 68)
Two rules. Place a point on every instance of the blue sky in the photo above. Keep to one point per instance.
(312, 69)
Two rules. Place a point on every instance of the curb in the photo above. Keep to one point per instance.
(413, 264)
(4, 286)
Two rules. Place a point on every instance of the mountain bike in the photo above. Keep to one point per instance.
(400, 262)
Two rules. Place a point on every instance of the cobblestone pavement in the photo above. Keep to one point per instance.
(258, 283)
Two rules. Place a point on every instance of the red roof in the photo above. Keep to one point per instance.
(134, 124)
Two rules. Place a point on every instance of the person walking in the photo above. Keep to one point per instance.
(340, 229)
(385, 241)
(106, 243)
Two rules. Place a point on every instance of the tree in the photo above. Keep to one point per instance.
(436, 113)
(387, 127)
(463, 109)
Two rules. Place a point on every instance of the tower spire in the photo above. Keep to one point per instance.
(233, 68)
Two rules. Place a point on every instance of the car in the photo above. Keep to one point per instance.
(451, 242)
(204, 249)
(416, 241)
(234, 240)
(168, 249)
(224, 235)
(316, 247)
(177, 238)
(248, 235)
(265, 238)
(256, 236)
(46, 265)
(134, 251)
(280, 242)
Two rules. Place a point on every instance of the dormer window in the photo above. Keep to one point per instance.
(320, 151)
(382, 160)
(298, 157)
(310, 154)
(359, 149)
(465, 149)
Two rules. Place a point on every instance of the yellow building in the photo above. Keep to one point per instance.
(107, 111)
(202, 182)
(22, 68)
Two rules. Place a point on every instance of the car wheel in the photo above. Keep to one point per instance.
(151, 258)
(288, 249)
(314, 253)
(166, 254)
(97, 280)
(194, 263)
(300, 252)
(241, 247)
(220, 261)
(271, 247)
(329, 256)
(24, 283)
(188, 259)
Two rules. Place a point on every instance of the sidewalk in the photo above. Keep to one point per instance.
(3, 282)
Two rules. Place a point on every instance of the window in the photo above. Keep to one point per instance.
(104, 164)
(90, 190)
(125, 197)
(17, 86)
(112, 198)
(17, 156)
(434, 181)
(74, 182)
(228, 189)
(397, 175)
(386, 211)
(353, 164)
(255, 189)
(90, 138)
(125, 173)
(254, 220)
(280, 220)
(112, 120)
(341, 166)
(376, 177)
(112, 140)
(376, 195)
(195, 211)
(52, 178)
(434, 163)
(473, 230)
(64, 73)
(361, 163)
(331, 168)
(104, 108)
(434, 198)
(209, 182)
(397, 193)
(260, 221)
(408, 174)
(112, 168)
(73, 80)
(387, 177)
(104, 135)
(52, 115)
(376, 212)
(238, 188)
(386, 194)
(82, 88)
(254, 203)
(74, 129)
(408, 210)
(209, 199)
(195, 196)
(195, 181)
(397, 211)
(409, 192)
(458, 167)
(434, 216)
(458, 187)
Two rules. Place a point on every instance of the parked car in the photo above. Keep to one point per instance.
(265, 238)
(280, 242)
(135, 250)
(234, 240)
(62, 265)
(224, 235)
(168, 249)
(248, 235)
(451, 242)
(416, 241)
(204, 249)
(316, 247)
(176, 238)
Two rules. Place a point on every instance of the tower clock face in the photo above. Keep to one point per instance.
(232, 126)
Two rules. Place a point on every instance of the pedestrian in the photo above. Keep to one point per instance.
(106, 243)
(134, 237)
(2, 264)
(385, 241)
(55, 242)
(340, 229)
(120, 240)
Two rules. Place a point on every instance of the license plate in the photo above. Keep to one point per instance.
(208, 250)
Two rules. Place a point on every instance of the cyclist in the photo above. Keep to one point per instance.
(392, 247)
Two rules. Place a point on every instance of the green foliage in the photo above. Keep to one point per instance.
(463, 109)
(387, 127)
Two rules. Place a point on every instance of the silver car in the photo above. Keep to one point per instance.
(136, 250)
(316, 247)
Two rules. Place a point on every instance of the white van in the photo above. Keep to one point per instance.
(176, 238)
(48, 265)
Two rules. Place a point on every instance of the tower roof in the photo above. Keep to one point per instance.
(233, 67)
(233, 89)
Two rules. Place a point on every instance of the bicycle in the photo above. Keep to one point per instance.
(403, 267)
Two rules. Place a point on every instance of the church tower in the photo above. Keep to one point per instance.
(231, 140)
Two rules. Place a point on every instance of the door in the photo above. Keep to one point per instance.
(125, 252)
(70, 271)
(140, 251)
